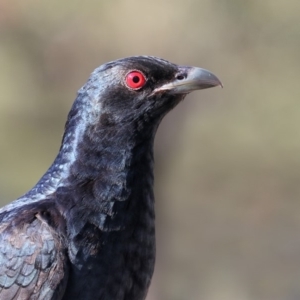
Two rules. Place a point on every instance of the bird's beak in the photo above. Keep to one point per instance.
(189, 79)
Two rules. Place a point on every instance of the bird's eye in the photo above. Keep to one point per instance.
(135, 80)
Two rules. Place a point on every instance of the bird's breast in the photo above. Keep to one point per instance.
(119, 261)
(115, 244)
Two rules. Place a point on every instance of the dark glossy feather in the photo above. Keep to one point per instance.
(33, 255)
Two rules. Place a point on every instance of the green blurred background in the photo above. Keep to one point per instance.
(227, 161)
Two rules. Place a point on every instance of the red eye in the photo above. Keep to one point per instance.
(135, 80)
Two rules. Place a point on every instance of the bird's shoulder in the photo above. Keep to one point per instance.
(33, 259)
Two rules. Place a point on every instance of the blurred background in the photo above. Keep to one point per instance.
(227, 160)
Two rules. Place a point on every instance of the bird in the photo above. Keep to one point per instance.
(86, 230)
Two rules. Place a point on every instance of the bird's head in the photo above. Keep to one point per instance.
(141, 89)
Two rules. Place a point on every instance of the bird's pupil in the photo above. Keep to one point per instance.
(180, 77)
(136, 79)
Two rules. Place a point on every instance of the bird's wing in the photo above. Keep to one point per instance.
(33, 264)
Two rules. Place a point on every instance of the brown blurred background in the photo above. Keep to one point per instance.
(227, 161)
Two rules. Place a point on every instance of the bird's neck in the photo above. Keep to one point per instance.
(111, 159)
(108, 158)
(113, 176)
(60, 169)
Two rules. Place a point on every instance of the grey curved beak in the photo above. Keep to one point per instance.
(189, 79)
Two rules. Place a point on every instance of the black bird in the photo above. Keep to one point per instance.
(86, 230)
